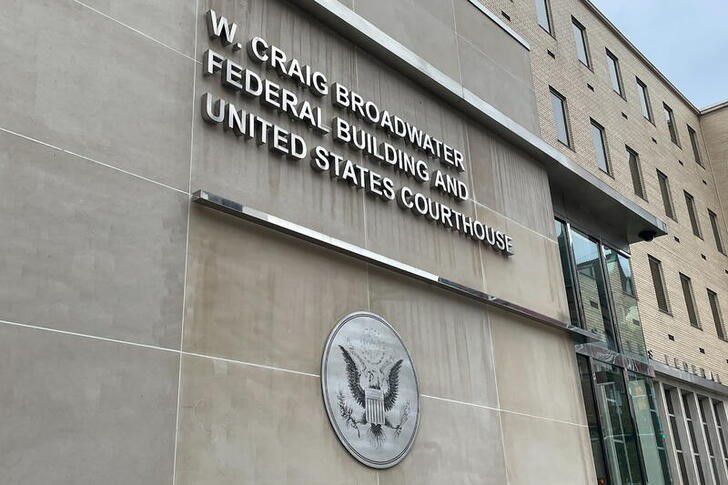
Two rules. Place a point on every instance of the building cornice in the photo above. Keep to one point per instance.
(714, 107)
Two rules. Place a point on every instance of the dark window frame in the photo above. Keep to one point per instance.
(691, 305)
(715, 310)
(714, 225)
(671, 124)
(656, 267)
(611, 57)
(565, 113)
(605, 146)
(643, 92)
(575, 24)
(693, 136)
(664, 182)
(638, 180)
(549, 17)
(693, 214)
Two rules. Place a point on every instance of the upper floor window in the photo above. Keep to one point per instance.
(644, 96)
(716, 231)
(687, 287)
(658, 279)
(601, 291)
(543, 13)
(670, 120)
(666, 195)
(599, 139)
(615, 75)
(558, 105)
(636, 171)
(693, 214)
(717, 315)
(694, 144)
(582, 47)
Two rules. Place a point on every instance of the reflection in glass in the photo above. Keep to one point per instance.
(651, 436)
(620, 439)
(592, 288)
(626, 313)
(675, 433)
(592, 418)
(563, 240)
(693, 437)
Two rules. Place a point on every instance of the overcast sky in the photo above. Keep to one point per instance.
(685, 39)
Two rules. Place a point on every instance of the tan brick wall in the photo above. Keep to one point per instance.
(652, 141)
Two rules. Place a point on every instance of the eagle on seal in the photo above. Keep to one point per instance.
(374, 387)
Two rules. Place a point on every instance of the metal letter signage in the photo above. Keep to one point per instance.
(370, 390)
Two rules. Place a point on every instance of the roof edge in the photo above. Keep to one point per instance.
(714, 107)
(640, 55)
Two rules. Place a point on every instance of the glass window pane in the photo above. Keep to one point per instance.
(687, 287)
(659, 282)
(600, 146)
(542, 13)
(693, 214)
(566, 267)
(717, 315)
(592, 418)
(620, 439)
(621, 282)
(644, 100)
(649, 429)
(580, 39)
(592, 287)
(716, 231)
(694, 143)
(614, 74)
(636, 171)
(670, 120)
(558, 105)
(666, 195)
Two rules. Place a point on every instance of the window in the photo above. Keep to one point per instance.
(658, 280)
(644, 96)
(675, 433)
(670, 120)
(592, 418)
(543, 13)
(649, 429)
(687, 287)
(716, 231)
(582, 48)
(562, 237)
(717, 316)
(600, 146)
(592, 287)
(704, 410)
(693, 437)
(624, 303)
(694, 144)
(666, 195)
(719, 418)
(692, 212)
(615, 75)
(636, 171)
(558, 105)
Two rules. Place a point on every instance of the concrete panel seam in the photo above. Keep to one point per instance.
(156, 347)
(187, 247)
(501, 410)
(103, 164)
(146, 36)
(261, 366)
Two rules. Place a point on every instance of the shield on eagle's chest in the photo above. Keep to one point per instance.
(370, 390)
(374, 399)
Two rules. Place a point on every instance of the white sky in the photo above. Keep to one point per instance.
(685, 39)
